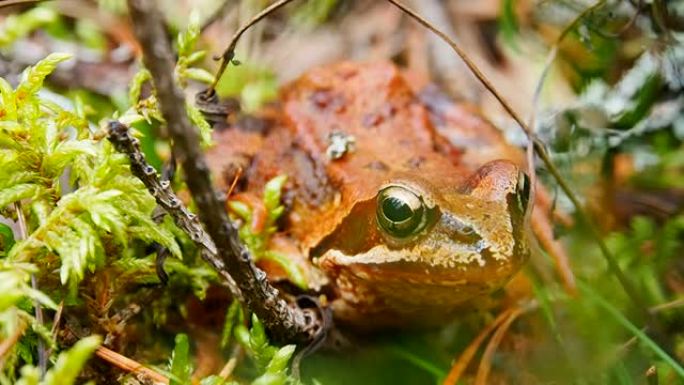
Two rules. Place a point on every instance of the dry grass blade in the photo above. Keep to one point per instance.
(459, 367)
(7, 344)
(486, 361)
(638, 333)
(129, 365)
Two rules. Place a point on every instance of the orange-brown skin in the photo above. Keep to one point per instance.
(472, 238)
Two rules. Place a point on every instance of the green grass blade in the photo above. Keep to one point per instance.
(641, 336)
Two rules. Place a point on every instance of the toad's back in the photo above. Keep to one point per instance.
(414, 207)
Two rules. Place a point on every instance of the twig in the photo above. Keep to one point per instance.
(229, 52)
(667, 305)
(129, 365)
(8, 3)
(55, 324)
(540, 149)
(285, 322)
(161, 190)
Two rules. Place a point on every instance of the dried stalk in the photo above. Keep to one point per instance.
(285, 322)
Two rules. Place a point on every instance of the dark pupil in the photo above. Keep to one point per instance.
(396, 210)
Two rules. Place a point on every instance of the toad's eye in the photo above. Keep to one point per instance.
(400, 211)
(523, 191)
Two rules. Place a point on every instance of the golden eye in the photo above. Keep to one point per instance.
(400, 211)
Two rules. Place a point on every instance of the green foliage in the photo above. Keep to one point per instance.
(256, 342)
(271, 361)
(66, 368)
(314, 12)
(6, 239)
(148, 109)
(14, 286)
(40, 143)
(70, 363)
(276, 371)
(188, 55)
(639, 334)
(16, 291)
(647, 250)
(508, 23)
(257, 239)
(254, 84)
(15, 27)
(180, 366)
(234, 317)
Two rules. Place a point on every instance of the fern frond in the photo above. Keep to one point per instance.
(9, 104)
(18, 192)
(64, 154)
(188, 38)
(197, 119)
(17, 26)
(34, 76)
(70, 363)
(139, 79)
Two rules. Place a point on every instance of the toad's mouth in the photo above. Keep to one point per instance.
(462, 267)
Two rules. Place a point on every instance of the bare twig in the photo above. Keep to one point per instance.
(126, 364)
(285, 322)
(229, 52)
(161, 190)
(7, 3)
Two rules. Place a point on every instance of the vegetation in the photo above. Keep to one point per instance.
(81, 238)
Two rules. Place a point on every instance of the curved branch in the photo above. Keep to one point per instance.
(540, 150)
(285, 322)
(229, 52)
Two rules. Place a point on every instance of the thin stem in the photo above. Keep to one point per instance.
(540, 149)
(229, 52)
(128, 365)
(8, 3)
(161, 190)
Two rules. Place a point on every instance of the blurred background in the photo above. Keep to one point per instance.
(600, 80)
